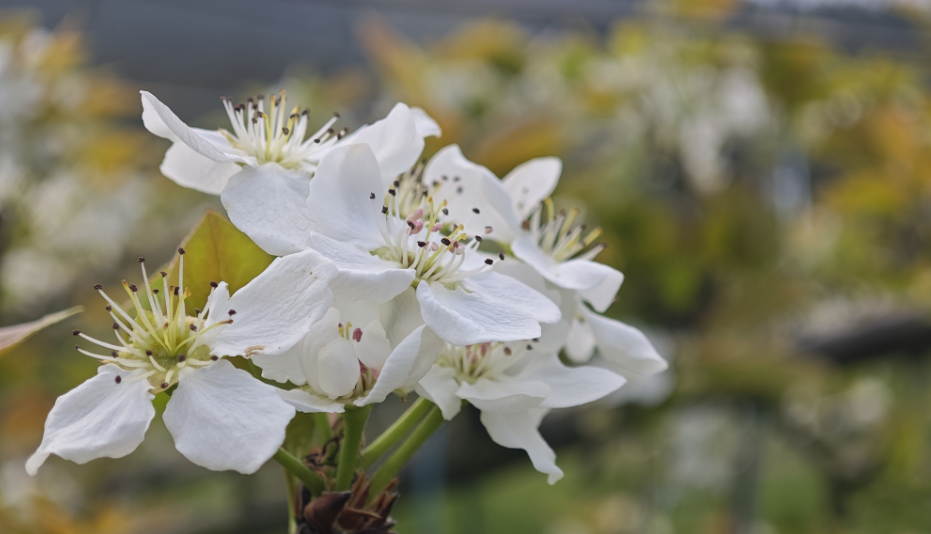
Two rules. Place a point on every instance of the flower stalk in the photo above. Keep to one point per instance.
(395, 432)
(354, 423)
(312, 480)
(431, 423)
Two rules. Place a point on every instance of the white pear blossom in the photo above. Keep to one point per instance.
(220, 417)
(552, 247)
(356, 354)
(386, 239)
(514, 385)
(260, 167)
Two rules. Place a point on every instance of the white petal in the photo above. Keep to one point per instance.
(321, 333)
(284, 367)
(553, 337)
(217, 304)
(222, 418)
(509, 292)
(400, 316)
(505, 395)
(572, 274)
(467, 187)
(161, 121)
(304, 402)
(373, 349)
(581, 342)
(571, 386)
(395, 141)
(518, 430)
(439, 386)
(530, 183)
(337, 368)
(189, 168)
(602, 295)
(463, 318)
(339, 203)
(426, 126)
(361, 275)
(268, 203)
(97, 419)
(276, 309)
(406, 365)
(624, 347)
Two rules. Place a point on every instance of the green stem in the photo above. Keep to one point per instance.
(395, 432)
(297, 468)
(402, 455)
(353, 424)
(322, 424)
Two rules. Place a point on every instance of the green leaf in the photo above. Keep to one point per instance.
(11, 336)
(216, 251)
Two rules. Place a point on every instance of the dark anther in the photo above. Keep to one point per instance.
(155, 291)
(164, 385)
(141, 259)
(317, 140)
(306, 112)
(118, 379)
(397, 183)
(392, 192)
(75, 332)
(193, 328)
(232, 312)
(214, 358)
(197, 311)
(336, 114)
(529, 347)
(411, 224)
(478, 238)
(455, 178)
(489, 261)
(180, 250)
(445, 241)
(177, 290)
(536, 340)
(501, 256)
(148, 353)
(421, 244)
(133, 288)
(116, 326)
(459, 190)
(444, 178)
(77, 347)
(98, 287)
(163, 273)
(384, 209)
(507, 351)
(115, 354)
(181, 358)
(330, 131)
(475, 210)
(109, 308)
(285, 130)
(445, 211)
(372, 196)
(214, 284)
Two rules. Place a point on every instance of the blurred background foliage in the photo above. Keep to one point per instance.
(769, 201)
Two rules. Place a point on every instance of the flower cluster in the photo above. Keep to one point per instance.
(393, 275)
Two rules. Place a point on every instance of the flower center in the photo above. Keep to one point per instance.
(157, 342)
(417, 237)
(277, 135)
(485, 360)
(557, 238)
